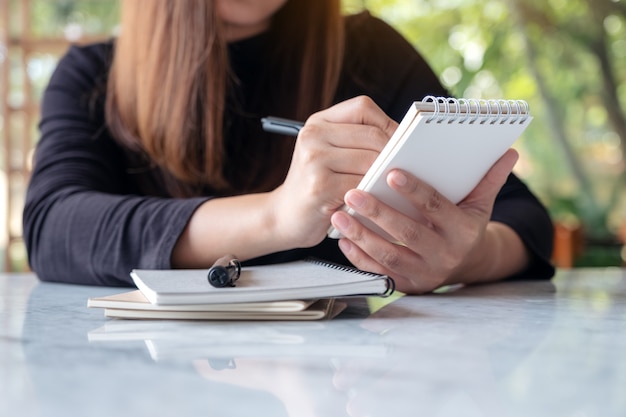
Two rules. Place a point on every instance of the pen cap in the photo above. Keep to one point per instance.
(219, 277)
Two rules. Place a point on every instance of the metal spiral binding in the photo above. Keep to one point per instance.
(391, 284)
(471, 111)
(340, 267)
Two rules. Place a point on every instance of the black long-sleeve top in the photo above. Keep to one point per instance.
(88, 219)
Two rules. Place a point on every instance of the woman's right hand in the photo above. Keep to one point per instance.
(333, 151)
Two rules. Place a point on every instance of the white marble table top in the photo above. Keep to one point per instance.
(532, 349)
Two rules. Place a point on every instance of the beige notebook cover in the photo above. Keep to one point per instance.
(133, 305)
(316, 311)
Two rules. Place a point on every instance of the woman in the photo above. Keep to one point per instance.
(152, 155)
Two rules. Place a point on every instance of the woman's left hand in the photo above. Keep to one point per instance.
(451, 244)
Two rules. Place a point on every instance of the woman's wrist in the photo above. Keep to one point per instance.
(500, 254)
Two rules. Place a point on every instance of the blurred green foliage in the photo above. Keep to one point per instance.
(566, 58)
(74, 18)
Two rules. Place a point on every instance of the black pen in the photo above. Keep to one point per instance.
(281, 126)
(224, 272)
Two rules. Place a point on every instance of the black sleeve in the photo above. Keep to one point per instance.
(81, 225)
(519, 209)
(382, 64)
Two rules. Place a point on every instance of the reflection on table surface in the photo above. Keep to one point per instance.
(508, 349)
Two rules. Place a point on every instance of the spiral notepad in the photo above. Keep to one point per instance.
(296, 280)
(447, 142)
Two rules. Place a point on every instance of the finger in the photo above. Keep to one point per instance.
(432, 205)
(354, 157)
(343, 135)
(356, 238)
(447, 229)
(420, 236)
(354, 162)
(360, 110)
(370, 252)
(436, 208)
(404, 282)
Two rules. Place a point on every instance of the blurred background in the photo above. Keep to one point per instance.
(567, 58)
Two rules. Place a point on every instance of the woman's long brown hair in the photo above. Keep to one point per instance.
(168, 82)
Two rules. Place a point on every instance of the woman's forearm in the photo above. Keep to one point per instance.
(242, 225)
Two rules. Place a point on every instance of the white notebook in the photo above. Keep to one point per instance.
(298, 280)
(448, 143)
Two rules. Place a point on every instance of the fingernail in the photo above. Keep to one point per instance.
(341, 221)
(345, 246)
(398, 178)
(355, 200)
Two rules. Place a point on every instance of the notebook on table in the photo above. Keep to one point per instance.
(449, 143)
(298, 290)
(133, 305)
(297, 280)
